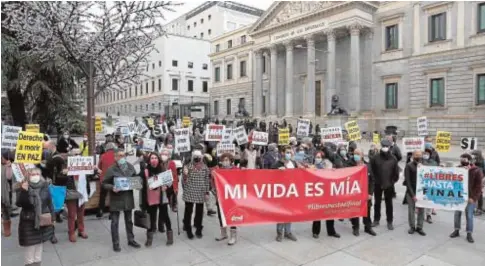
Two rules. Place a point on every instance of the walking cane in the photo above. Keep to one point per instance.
(178, 222)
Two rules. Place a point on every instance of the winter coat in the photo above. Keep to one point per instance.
(475, 176)
(410, 176)
(54, 167)
(196, 184)
(396, 152)
(28, 235)
(63, 145)
(435, 156)
(6, 187)
(84, 148)
(270, 158)
(143, 193)
(105, 162)
(385, 170)
(123, 200)
(370, 180)
(340, 162)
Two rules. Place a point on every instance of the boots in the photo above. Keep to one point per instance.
(169, 237)
(223, 235)
(149, 241)
(233, 237)
(7, 228)
(72, 237)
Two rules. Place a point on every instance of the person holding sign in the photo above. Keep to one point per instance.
(410, 174)
(66, 144)
(155, 199)
(120, 201)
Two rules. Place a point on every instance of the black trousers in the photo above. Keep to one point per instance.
(317, 226)
(480, 202)
(163, 218)
(220, 217)
(366, 220)
(388, 194)
(199, 215)
(102, 199)
(115, 221)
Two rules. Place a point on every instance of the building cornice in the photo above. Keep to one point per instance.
(230, 51)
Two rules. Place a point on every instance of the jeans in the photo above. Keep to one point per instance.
(33, 254)
(286, 227)
(470, 207)
(412, 214)
(388, 194)
(115, 221)
(199, 216)
(163, 218)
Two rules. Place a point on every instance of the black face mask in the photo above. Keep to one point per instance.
(418, 160)
(465, 163)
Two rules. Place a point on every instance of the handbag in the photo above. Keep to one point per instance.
(72, 194)
(141, 219)
(45, 219)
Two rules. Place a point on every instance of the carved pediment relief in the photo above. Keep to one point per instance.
(295, 9)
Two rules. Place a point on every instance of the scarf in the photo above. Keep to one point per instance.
(34, 194)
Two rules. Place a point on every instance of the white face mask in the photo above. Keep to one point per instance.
(226, 164)
(85, 139)
(66, 136)
(425, 156)
(35, 179)
(164, 158)
(385, 149)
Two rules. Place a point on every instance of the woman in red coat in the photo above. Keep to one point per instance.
(106, 160)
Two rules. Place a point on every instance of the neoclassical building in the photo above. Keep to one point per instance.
(389, 63)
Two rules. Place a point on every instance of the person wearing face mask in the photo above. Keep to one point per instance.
(286, 162)
(120, 201)
(385, 170)
(475, 176)
(227, 162)
(427, 160)
(342, 158)
(56, 170)
(480, 163)
(172, 196)
(106, 160)
(66, 144)
(8, 181)
(271, 156)
(428, 144)
(410, 174)
(37, 216)
(153, 200)
(196, 186)
(373, 151)
(84, 146)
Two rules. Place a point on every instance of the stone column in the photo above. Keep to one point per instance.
(289, 79)
(273, 89)
(258, 86)
(354, 92)
(331, 89)
(309, 104)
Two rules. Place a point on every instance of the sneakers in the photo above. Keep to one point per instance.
(455, 234)
(429, 219)
(290, 236)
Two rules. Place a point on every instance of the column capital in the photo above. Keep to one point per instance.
(310, 39)
(288, 45)
(273, 48)
(258, 52)
(330, 34)
(355, 28)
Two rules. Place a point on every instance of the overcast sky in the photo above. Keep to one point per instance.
(189, 5)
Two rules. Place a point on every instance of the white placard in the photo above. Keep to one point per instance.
(214, 132)
(412, 144)
(227, 136)
(132, 127)
(141, 128)
(422, 126)
(80, 165)
(162, 179)
(148, 144)
(469, 143)
(182, 140)
(240, 135)
(10, 136)
(331, 134)
(226, 148)
(303, 127)
(18, 172)
(179, 123)
(259, 138)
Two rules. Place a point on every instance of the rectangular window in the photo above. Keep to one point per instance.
(159, 63)
(195, 24)
(204, 66)
(153, 65)
(201, 21)
(229, 44)
(391, 96)
(216, 107)
(437, 92)
(136, 108)
(174, 63)
(228, 106)
(217, 74)
(263, 61)
(126, 91)
(159, 84)
(209, 31)
(201, 35)
(153, 106)
(392, 37)
(437, 27)
(229, 71)
(146, 88)
(242, 68)
(243, 39)
(175, 84)
(130, 92)
(481, 89)
(209, 17)
(188, 27)
(190, 85)
(141, 91)
(481, 17)
(218, 47)
(153, 86)
(190, 65)
(205, 86)
(136, 91)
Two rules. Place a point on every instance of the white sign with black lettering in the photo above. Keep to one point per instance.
(240, 135)
(10, 136)
(149, 144)
(260, 138)
(80, 165)
(469, 143)
(226, 148)
(303, 127)
(412, 144)
(162, 179)
(331, 134)
(182, 140)
(422, 126)
(227, 136)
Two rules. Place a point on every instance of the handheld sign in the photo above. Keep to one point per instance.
(32, 128)
(227, 136)
(29, 147)
(98, 125)
(10, 136)
(214, 132)
(80, 165)
(226, 148)
(148, 144)
(413, 144)
(283, 136)
(303, 127)
(443, 141)
(240, 135)
(260, 138)
(182, 140)
(353, 130)
(469, 143)
(331, 134)
(162, 179)
(127, 183)
(422, 126)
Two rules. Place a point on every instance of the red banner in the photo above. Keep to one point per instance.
(249, 197)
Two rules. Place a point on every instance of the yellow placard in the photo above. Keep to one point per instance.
(376, 138)
(283, 136)
(186, 121)
(443, 141)
(150, 122)
(29, 147)
(353, 130)
(98, 125)
(32, 128)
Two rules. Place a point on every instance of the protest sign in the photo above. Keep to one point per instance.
(442, 188)
(29, 147)
(443, 141)
(132, 127)
(283, 136)
(259, 138)
(422, 126)
(179, 123)
(227, 136)
(10, 136)
(303, 127)
(162, 179)
(127, 183)
(412, 144)
(19, 171)
(148, 144)
(150, 122)
(376, 138)
(32, 128)
(469, 143)
(182, 140)
(225, 148)
(249, 197)
(186, 121)
(353, 130)
(80, 165)
(240, 135)
(98, 124)
(331, 134)
(141, 128)
(214, 132)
